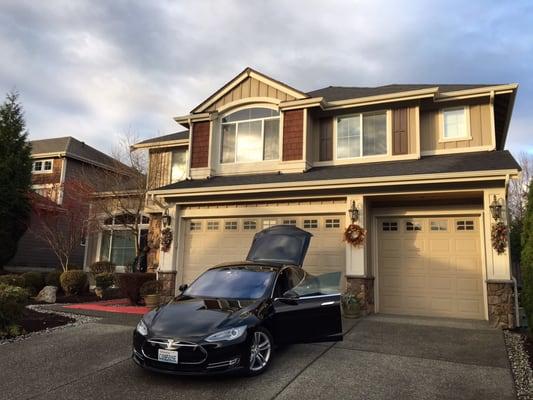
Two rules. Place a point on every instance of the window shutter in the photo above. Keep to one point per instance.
(399, 131)
(326, 139)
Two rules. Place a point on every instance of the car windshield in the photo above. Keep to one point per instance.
(232, 283)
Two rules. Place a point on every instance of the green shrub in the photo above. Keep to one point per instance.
(73, 282)
(101, 267)
(33, 281)
(150, 287)
(104, 280)
(12, 302)
(130, 284)
(52, 278)
(526, 261)
(12, 280)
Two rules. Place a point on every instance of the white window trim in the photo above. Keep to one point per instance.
(280, 133)
(388, 129)
(111, 229)
(42, 171)
(467, 133)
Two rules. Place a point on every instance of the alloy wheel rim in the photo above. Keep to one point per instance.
(259, 351)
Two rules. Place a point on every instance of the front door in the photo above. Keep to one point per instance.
(310, 311)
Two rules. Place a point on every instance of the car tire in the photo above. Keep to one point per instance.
(260, 351)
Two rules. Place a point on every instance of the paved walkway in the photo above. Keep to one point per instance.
(380, 358)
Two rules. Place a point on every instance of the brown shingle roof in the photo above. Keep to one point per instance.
(335, 93)
(71, 147)
(465, 162)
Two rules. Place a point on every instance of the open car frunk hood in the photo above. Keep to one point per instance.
(280, 244)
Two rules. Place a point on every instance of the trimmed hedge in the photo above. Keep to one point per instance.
(104, 280)
(13, 299)
(101, 267)
(130, 284)
(73, 282)
(52, 279)
(33, 281)
(12, 280)
(150, 287)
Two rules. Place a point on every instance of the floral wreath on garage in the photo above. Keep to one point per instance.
(498, 235)
(355, 235)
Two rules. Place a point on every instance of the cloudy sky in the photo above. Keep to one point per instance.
(98, 69)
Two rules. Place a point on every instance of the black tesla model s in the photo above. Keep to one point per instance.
(231, 317)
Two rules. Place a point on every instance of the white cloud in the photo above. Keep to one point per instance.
(95, 69)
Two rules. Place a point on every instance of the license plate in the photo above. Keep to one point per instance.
(168, 356)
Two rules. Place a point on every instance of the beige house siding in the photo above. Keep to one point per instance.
(480, 129)
(159, 167)
(250, 87)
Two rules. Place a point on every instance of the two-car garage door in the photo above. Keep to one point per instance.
(430, 266)
(211, 241)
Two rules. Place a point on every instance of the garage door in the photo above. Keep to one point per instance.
(430, 266)
(209, 242)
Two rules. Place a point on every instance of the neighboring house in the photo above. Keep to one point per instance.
(56, 161)
(421, 164)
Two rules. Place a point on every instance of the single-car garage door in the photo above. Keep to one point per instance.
(211, 241)
(430, 266)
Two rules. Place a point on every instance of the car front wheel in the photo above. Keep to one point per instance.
(260, 351)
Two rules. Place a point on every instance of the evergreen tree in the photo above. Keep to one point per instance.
(527, 260)
(15, 176)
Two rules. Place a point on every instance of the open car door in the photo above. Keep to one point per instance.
(310, 311)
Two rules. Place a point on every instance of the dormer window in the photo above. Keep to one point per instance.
(250, 135)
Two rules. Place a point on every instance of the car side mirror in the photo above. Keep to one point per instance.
(183, 288)
(290, 297)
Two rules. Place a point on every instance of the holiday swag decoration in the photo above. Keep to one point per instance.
(498, 235)
(355, 235)
(166, 239)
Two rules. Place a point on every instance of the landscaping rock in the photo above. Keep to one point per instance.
(47, 294)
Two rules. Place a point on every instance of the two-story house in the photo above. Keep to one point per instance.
(421, 167)
(55, 162)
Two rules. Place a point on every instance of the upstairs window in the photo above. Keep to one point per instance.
(178, 170)
(250, 135)
(455, 125)
(42, 166)
(362, 135)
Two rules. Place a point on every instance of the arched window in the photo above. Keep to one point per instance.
(250, 135)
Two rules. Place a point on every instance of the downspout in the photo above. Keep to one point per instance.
(189, 155)
(515, 283)
(517, 308)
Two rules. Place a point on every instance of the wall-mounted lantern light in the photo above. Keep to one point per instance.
(166, 218)
(496, 209)
(354, 212)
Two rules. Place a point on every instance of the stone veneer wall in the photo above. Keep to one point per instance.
(363, 288)
(501, 304)
(168, 283)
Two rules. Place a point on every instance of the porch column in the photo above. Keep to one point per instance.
(358, 279)
(167, 259)
(500, 287)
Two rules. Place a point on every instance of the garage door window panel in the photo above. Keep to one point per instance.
(195, 226)
(438, 226)
(310, 223)
(249, 225)
(231, 225)
(389, 226)
(465, 225)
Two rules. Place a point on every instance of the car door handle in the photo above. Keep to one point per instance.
(327, 303)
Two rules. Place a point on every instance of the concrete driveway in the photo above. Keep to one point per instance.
(381, 358)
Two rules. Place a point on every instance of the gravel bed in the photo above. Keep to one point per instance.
(518, 357)
(80, 320)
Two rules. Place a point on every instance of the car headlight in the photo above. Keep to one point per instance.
(142, 328)
(228, 334)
